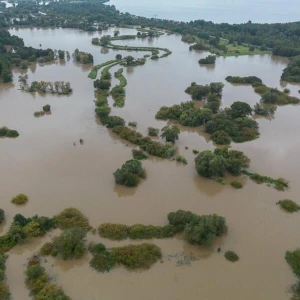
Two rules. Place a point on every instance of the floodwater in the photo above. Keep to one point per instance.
(44, 164)
(218, 11)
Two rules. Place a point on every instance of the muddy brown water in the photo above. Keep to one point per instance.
(43, 163)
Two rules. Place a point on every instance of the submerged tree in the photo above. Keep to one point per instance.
(170, 133)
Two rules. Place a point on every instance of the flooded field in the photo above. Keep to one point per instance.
(44, 164)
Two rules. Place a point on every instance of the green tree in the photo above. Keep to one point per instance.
(210, 165)
(70, 243)
(170, 133)
(240, 109)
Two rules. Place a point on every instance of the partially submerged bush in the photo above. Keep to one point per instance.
(130, 173)
(70, 244)
(71, 217)
(289, 205)
(113, 231)
(215, 164)
(101, 262)
(181, 158)
(231, 256)
(19, 199)
(139, 231)
(221, 138)
(47, 108)
(170, 133)
(47, 249)
(141, 256)
(236, 184)
(4, 131)
(180, 219)
(132, 124)
(39, 284)
(203, 229)
(293, 259)
(112, 121)
(153, 131)
(138, 154)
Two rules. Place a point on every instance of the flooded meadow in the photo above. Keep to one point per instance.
(44, 163)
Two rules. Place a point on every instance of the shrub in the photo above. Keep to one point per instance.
(170, 133)
(180, 219)
(102, 111)
(19, 199)
(113, 231)
(221, 137)
(3, 131)
(138, 154)
(4, 292)
(236, 184)
(153, 131)
(289, 205)
(231, 256)
(195, 151)
(97, 249)
(2, 215)
(210, 59)
(51, 291)
(71, 217)
(112, 121)
(181, 158)
(130, 173)
(293, 259)
(136, 256)
(46, 249)
(208, 164)
(101, 262)
(287, 91)
(132, 124)
(12, 133)
(203, 229)
(70, 244)
(47, 108)
(139, 231)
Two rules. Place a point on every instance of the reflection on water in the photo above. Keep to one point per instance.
(44, 164)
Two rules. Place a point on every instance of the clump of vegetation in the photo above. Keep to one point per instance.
(71, 217)
(244, 80)
(138, 154)
(153, 131)
(23, 229)
(113, 231)
(39, 113)
(39, 284)
(4, 290)
(274, 96)
(236, 184)
(203, 229)
(83, 57)
(215, 164)
(231, 256)
(139, 231)
(133, 257)
(221, 138)
(180, 219)
(185, 113)
(118, 92)
(199, 92)
(132, 124)
(145, 143)
(2, 215)
(47, 108)
(286, 90)
(195, 151)
(19, 199)
(70, 244)
(289, 205)
(58, 87)
(210, 59)
(292, 72)
(264, 110)
(170, 133)
(47, 249)
(293, 259)
(112, 121)
(181, 158)
(6, 132)
(279, 184)
(130, 173)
